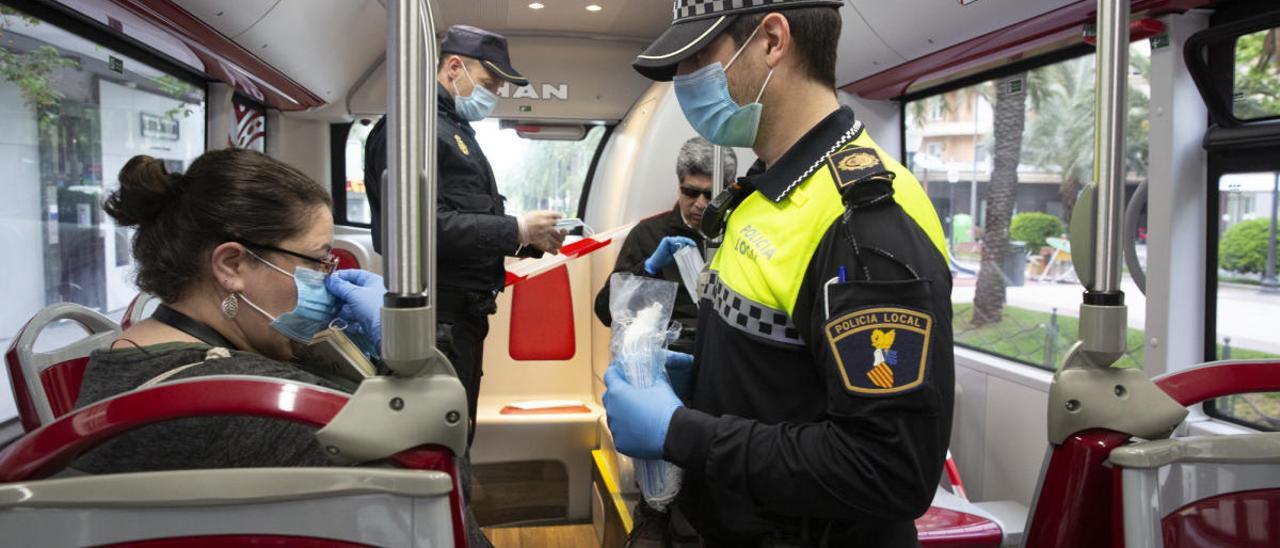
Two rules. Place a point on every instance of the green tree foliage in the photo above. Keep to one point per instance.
(1244, 247)
(31, 71)
(1034, 227)
(1257, 82)
(1060, 134)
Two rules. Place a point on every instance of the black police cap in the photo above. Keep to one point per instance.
(695, 23)
(490, 48)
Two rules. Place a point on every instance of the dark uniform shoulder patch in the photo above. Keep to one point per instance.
(462, 145)
(881, 350)
(855, 164)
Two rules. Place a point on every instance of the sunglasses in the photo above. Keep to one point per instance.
(694, 193)
(328, 263)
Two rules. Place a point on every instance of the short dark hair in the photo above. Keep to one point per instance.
(816, 31)
(229, 194)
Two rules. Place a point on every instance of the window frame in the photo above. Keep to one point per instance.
(339, 131)
(1215, 75)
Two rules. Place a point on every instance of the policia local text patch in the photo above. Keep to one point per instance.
(881, 351)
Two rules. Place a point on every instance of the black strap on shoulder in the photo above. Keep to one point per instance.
(191, 326)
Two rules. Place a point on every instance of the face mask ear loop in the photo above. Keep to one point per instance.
(764, 85)
(254, 306)
(743, 48)
(469, 79)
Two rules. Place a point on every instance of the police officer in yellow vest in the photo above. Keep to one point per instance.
(819, 410)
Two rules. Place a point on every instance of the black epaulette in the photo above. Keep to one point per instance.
(860, 177)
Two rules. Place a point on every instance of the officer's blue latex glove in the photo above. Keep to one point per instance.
(359, 293)
(638, 417)
(680, 372)
(665, 254)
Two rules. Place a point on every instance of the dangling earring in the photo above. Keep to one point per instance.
(230, 306)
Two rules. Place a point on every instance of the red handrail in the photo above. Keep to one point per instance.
(52, 447)
(1221, 378)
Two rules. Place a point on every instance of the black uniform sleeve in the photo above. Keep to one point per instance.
(635, 250)
(375, 162)
(871, 456)
(465, 209)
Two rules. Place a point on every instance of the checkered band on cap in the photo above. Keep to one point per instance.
(690, 9)
(749, 316)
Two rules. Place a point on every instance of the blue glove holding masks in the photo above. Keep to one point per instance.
(680, 371)
(360, 294)
(665, 255)
(638, 417)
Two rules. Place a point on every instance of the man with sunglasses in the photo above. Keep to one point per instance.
(650, 247)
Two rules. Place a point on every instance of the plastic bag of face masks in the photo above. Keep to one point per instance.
(642, 328)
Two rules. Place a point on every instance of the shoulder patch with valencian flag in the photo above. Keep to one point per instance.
(881, 350)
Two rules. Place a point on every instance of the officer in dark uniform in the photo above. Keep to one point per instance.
(475, 233)
(650, 246)
(820, 407)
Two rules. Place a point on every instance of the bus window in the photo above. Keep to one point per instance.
(539, 174)
(1257, 75)
(1248, 295)
(352, 201)
(73, 112)
(1016, 293)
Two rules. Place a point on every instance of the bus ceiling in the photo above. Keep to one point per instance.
(324, 57)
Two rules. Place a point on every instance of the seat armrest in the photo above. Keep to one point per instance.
(222, 486)
(1243, 449)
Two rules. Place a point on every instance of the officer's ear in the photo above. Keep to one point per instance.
(775, 35)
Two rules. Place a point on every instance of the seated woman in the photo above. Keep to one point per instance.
(238, 251)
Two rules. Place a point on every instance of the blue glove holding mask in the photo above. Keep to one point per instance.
(638, 417)
(359, 293)
(665, 255)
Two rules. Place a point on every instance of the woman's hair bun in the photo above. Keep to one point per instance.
(146, 190)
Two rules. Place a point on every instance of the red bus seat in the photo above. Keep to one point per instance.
(266, 506)
(138, 309)
(46, 384)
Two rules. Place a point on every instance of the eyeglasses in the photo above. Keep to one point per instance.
(690, 192)
(328, 263)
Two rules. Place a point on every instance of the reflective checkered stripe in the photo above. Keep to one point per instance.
(698, 8)
(749, 316)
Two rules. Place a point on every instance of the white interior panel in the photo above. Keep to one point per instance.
(969, 429)
(915, 28)
(883, 120)
(326, 54)
(641, 157)
(229, 19)
(861, 52)
(1016, 439)
(570, 79)
(301, 143)
(644, 19)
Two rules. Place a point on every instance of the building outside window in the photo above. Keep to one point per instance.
(73, 112)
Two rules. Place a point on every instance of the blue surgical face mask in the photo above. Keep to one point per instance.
(316, 307)
(477, 106)
(704, 97)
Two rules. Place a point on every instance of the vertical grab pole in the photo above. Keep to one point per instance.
(1103, 316)
(1112, 88)
(409, 334)
(717, 186)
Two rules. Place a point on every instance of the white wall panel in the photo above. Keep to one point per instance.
(1016, 439)
(914, 28)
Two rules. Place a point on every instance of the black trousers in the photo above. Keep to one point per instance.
(460, 336)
